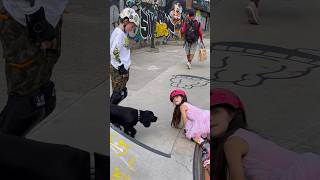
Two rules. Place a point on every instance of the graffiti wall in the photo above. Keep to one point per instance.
(159, 18)
(204, 19)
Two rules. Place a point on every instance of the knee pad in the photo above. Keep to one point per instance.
(117, 97)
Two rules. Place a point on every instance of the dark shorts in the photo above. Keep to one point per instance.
(191, 48)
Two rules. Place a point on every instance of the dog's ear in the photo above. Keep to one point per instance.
(150, 114)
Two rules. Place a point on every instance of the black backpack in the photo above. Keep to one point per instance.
(192, 31)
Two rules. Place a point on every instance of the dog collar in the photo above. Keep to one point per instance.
(138, 115)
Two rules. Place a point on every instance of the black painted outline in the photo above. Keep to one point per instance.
(244, 47)
(184, 76)
(139, 143)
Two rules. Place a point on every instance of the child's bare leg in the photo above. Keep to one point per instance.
(191, 57)
(252, 11)
(207, 173)
(205, 146)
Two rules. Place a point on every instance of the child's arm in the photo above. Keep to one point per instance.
(115, 48)
(183, 110)
(235, 148)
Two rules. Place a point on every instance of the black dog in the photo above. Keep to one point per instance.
(127, 118)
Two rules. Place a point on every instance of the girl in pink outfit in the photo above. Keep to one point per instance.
(243, 155)
(195, 121)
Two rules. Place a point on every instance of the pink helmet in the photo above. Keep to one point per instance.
(223, 96)
(176, 93)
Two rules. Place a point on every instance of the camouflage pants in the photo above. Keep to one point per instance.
(118, 81)
(27, 67)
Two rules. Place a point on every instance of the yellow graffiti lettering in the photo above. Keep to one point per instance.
(161, 30)
(131, 162)
(125, 147)
(117, 174)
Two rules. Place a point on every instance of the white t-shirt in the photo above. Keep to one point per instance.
(19, 8)
(119, 49)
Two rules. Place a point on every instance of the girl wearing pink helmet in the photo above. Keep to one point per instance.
(195, 121)
(241, 154)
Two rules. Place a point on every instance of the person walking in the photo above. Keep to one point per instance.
(252, 12)
(192, 32)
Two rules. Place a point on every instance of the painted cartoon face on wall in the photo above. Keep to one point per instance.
(176, 12)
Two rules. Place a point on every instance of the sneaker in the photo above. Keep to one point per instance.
(252, 13)
(189, 65)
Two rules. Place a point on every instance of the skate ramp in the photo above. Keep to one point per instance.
(135, 160)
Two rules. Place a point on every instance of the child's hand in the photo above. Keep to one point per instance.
(122, 70)
(39, 28)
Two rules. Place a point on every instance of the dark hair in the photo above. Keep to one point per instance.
(123, 20)
(238, 121)
(191, 12)
(176, 117)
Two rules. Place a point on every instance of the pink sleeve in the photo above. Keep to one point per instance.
(188, 134)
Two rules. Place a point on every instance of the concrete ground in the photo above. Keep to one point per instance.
(279, 82)
(152, 77)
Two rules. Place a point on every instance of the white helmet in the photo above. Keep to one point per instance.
(131, 14)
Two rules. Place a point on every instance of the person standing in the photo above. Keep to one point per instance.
(120, 54)
(30, 35)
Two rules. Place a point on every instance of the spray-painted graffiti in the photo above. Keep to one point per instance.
(188, 81)
(202, 4)
(165, 18)
(122, 159)
(147, 21)
(156, 19)
(176, 17)
(176, 13)
(250, 65)
(161, 30)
